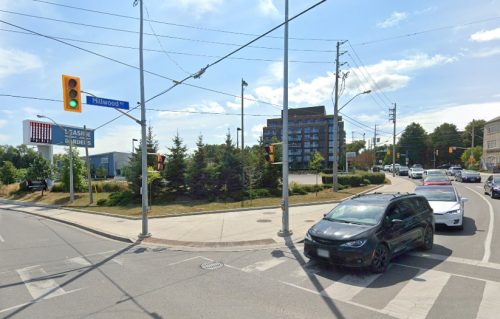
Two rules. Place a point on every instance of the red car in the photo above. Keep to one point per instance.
(436, 180)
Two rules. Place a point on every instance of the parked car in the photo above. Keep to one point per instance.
(387, 168)
(447, 204)
(468, 176)
(492, 186)
(436, 180)
(452, 170)
(402, 171)
(395, 168)
(417, 166)
(368, 230)
(416, 172)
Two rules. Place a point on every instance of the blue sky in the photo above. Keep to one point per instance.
(438, 60)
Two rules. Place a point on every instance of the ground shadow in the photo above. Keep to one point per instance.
(470, 229)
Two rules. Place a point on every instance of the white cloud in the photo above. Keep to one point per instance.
(486, 35)
(116, 139)
(389, 75)
(487, 52)
(273, 75)
(257, 131)
(17, 61)
(236, 105)
(267, 7)
(393, 20)
(2, 123)
(3, 138)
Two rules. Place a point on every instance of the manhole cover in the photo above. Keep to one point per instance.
(263, 220)
(212, 265)
(269, 213)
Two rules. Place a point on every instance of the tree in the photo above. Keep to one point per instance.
(364, 160)
(175, 169)
(8, 173)
(197, 177)
(229, 169)
(478, 126)
(472, 157)
(40, 169)
(79, 172)
(443, 137)
(315, 164)
(414, 141)
(101, 171)
(355, 146)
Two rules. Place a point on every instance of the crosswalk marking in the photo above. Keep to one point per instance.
(80, 261)
(348, 286)
(48, 288)
(264, 265)
(415, 300)
(489, 307)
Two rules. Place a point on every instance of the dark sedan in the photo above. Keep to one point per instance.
(368, 230)
(492, 186)
(468, 176)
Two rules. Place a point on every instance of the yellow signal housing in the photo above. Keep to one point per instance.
(72, 96)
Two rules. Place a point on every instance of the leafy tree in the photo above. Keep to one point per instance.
(364, 160)
(472, 157)
(271, 174)
(79, 172)
(101, 171)
(478, 126)
(176, 167)
(355, 146)
(414, 141)
(315, 164)
(443, 137)
(8, 173)
(39, 169)
(197, 176)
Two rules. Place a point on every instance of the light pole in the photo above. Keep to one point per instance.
(133, 145)
(243, 85)
(237, 137)
(71, 187)
(336, 140)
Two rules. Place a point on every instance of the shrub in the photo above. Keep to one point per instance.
(57, 188)
(119, 198)
(366, 181)
(110, 186)
(257, 193)
(356, 180)
(297, 189)
(374, 178)
(102, 202)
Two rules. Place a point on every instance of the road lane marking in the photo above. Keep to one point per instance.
(417, 297)
(188, 259)
(458, 260)
(489, 307)
(1, 239)
(32, 302)
(348, 286)
(489, 235)
(48, 288)
(264, 265)
(80, 261)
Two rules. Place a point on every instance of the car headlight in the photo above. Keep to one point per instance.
(497, 188)
(456, 211)
(355, 243)
(308, 236)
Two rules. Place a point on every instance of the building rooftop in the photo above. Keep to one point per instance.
(493, 120)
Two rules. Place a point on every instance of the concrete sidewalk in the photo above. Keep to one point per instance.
(239, 230)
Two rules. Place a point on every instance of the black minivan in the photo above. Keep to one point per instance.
(368, 230)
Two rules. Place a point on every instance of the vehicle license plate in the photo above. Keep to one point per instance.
(323, 253)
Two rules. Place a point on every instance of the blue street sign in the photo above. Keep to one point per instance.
(61, 137)
(99, 101)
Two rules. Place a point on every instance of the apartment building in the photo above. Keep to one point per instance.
(491, 145)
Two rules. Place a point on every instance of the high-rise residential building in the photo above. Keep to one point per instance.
(310, 130)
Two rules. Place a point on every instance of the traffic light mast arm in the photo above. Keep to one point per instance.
(130, 116)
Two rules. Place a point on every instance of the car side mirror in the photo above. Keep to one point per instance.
(324, 215)
(396, 221)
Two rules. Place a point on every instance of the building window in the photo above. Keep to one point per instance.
(492, 144)
(493, 128)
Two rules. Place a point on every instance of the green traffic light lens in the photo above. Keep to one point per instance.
(73, 103)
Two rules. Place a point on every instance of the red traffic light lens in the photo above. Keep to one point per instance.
(72, 83)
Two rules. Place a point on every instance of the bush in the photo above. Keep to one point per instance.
(119, 198)
(102, 202)
(257, 193)
(374, 178)
(110, 186)
(57, 188)
(366, 181)
(355, 180)
(296, 189)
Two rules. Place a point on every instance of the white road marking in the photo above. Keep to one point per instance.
(39, 287)
(489, 307)
(1, 239)
(458, 260)
(264, 265)
(188, 259)
(417, 297)
(32, 302)
(489, 235)
(348, 286)
(80, 261)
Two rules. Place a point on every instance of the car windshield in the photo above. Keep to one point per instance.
(434, 194)
(436, 178)
(496, 179)
(403, 167)
(435, 173)
(357, 213)
(470, 173)
(417, 169)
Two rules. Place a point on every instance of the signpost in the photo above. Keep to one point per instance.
(115, 104)
(43, 133)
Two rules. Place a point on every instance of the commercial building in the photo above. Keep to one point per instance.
(112, 162)
(310, 130)
(491, 145)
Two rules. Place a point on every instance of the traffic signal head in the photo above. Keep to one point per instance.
(270, 153)
(397, 154)
(71, 93)
(160, 158)
(388, 151)
(450, 149)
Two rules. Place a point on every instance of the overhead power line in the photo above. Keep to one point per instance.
(160, 35)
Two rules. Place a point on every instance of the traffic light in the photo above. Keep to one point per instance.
(437, 152)
(270, 153)
(397, 155)
(160, 159)
(71, 93)
(450, 149)
(389, 151)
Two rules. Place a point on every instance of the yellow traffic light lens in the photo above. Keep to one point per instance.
(73, 103)
(73, 93)
(72, 83)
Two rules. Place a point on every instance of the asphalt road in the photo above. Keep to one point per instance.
(51, 270)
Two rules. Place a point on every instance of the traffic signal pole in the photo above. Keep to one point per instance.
(144, 185)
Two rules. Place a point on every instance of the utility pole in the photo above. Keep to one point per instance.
(144, 151)
(375, 146)
(243, 84)
(285, 231)
(89, 177)
(336, 122)
(472, 133)
(392, 116)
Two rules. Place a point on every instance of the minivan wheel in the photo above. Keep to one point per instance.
(428, 239)
(380, 259)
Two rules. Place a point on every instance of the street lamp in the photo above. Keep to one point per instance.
(237, 137)
(336, 135)
(71, 187)
(133, 146)
(243, 85)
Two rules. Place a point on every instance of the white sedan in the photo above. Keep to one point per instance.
(447, 204)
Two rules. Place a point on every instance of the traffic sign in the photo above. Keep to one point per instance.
(99, 101)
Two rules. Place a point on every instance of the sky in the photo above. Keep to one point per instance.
(437, 60)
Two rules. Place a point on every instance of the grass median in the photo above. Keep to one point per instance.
(179, 207)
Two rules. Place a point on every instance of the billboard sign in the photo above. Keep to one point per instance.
(42, 133)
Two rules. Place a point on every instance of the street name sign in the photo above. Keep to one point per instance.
(99, 101)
